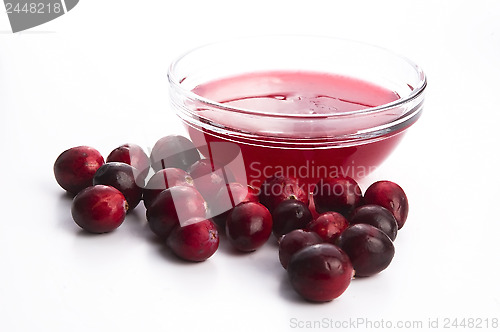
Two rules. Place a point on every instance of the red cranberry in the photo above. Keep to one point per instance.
(99, 209)
(289, 215)
(320, 272)
(209, 178)
(173, 151)
(248, 226)
(328, 225)
(391, 196)
(164, 179)
(174, 206)
(74, 169)
(121, 176)
(369, 249)
(133, 155)
(228, 197)
(377, 216)
(293, 241)
(278, 188)
(339, 194)
(195, 241)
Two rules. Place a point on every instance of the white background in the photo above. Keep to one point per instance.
(97, 76)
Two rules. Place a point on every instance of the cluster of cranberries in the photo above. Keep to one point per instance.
(325, 236)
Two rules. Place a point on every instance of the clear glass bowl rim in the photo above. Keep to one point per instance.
(418, 90)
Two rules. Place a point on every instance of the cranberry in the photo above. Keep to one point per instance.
(74, 169)
(173, 151)
(289, 215)
(328, 225)
(278, 188)
(174, 206)
(99, 209)
(369, 249)
(195, 241)
(209, 178)
(339, 194)
(133, 155)
(228, 197)
(248, 226)
(320, 272)
(121, 176)
(391, 196)
(293, 241)
(377, 216)
(164, 179)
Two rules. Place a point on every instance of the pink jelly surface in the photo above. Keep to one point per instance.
(294, 147)
(296, 93)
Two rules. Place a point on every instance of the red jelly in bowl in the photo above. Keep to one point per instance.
(306, 107)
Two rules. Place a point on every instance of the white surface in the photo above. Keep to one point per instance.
(97, 76)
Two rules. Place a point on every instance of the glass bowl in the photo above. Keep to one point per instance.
(255, 143)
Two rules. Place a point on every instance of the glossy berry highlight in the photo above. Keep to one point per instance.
(328, 226)
(248, 226)
(99, 209)
(74, 169)
(370, 250)
(196, 240)
(321, 272)
(391, 196)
